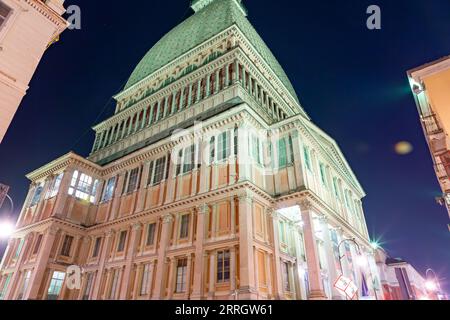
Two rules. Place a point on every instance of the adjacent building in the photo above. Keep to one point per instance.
(430, 84)
(209, 182)
(399, 279)
(27, 28)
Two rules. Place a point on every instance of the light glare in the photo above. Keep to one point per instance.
(6, 229)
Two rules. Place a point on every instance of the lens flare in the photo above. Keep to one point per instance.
(403, 148)
(6, 229)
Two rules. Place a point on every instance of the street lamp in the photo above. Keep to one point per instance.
(6, 227)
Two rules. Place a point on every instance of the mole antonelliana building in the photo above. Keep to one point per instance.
(209, 182)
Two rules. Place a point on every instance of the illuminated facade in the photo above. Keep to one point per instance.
(209, 182)
(26, 30)
(430, 84)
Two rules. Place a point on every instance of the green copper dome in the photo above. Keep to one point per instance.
(208, 21)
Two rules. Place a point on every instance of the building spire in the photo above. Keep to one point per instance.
(198, 5)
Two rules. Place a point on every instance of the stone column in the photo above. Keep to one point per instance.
(117, 196)
(131, 251)
(233, 217)
(188, 277)
(212, 275)
(142, 191)
(171, 284)
(107, 244)
(61, 198)
(312, 253)
(279, 294)
(197, 291)
(158, 291)
(247, 261)
(331, 266)
(232, 159)
(243, 154)
(204, 156)
(189, 103)
(269, 273)
(233, 274)
(40, 265)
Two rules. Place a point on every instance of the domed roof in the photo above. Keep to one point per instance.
(209, 21)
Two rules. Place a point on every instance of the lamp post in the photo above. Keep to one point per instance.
(358, 249)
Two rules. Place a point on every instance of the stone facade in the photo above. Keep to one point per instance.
(27, 28)
(209, 182)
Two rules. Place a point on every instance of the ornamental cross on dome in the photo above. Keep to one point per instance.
(198, 5)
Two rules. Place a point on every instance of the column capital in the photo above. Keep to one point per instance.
(87, 239)
(53, 230)
(246, 196)
(110, 233)
(271, 212)
(203, 208)
(136, 226)
(167, 218)
(305, 204)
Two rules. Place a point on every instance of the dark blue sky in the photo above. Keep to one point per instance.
(350, 80)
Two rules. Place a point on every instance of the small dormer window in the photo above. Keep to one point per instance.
(5, 11)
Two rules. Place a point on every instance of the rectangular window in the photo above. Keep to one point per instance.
(145, 280)
(307, 158)
(335, 188)
(55, 286)
(150, 173)
(132, 184)
(19, 248)
(124, 187)
(37, 194)
(109, 190)
(159, 170)
(224, 146)
(5, 287)
(88, 288)
(286, 282)
(291, 149)
(96, 250)
(56, 183)
(256, 149)
(122, 238)
(323, 177)
(189, 159)
(282, 155)
(84, 188)
(115, 285)
(223, 266)
(26, 281)
(212, 150)
(151, 234)
(67, 245)
(181, 275)
(184, 230)
(37, 244)
(5, 11)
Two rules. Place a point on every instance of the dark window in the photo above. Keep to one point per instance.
(150, 173)
(132, 184)
(286, 283)
(4, 13)
(181, 275)
(122, 238)
(184, 230)
(189, 159)
(223, 266)
(37, 195)
(38, 244)
(67, 245)
(159, 170)
(151, 234)
(96, 251)
(109, 191)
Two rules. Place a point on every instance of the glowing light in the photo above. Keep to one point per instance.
(403, 148)
(301, 272)
(424, 298)
(361, 261)
(430, 285)
(6, 229)
(375, 245)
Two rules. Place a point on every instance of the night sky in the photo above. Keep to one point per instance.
(351, 81)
